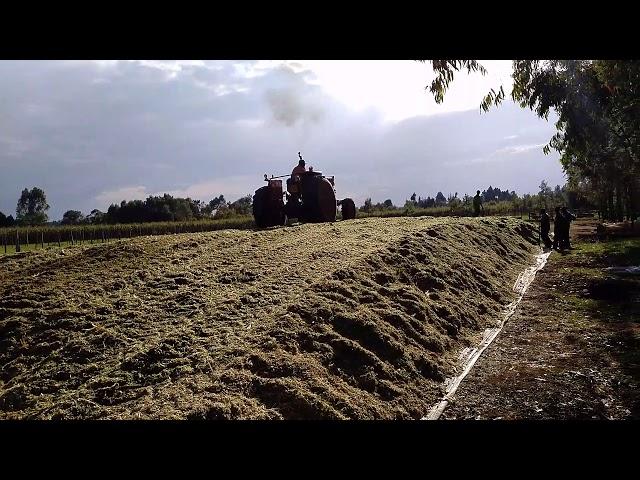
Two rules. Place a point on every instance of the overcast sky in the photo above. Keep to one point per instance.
(92, 133)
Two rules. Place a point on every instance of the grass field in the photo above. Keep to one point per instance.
(32, 238)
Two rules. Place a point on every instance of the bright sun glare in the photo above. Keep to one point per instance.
(396, 87)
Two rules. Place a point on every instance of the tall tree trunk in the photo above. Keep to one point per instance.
(610, 209)
(627, 200)
(634, 197)
(619, 203)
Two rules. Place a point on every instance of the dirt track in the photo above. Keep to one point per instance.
(571, 351)
(358, 319)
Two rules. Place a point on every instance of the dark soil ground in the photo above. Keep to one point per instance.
(357, 319)
(572, 349)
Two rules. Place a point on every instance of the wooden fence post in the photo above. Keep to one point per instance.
(17, 241)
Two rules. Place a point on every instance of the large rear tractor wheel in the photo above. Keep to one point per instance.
(319, 200)
(348, 209)
(267, 211)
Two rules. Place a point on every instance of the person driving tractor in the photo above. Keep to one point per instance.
(300, 168)
(293, 183)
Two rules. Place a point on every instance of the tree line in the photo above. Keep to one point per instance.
(32, 206)
(167, 208)
(547, 197)
(32, 209)
(489, 194)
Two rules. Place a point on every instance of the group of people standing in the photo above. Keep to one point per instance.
(561, 224)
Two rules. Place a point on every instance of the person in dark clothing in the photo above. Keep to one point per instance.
(477, 204)
(293, 183)
(558, 229)
(545, 226)
(568, 218)
(300, 168)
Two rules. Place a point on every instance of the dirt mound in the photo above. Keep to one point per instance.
(359, 319)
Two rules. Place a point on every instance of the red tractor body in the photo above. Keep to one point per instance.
(310, 197)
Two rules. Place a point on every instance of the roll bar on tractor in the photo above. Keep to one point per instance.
(267, 178)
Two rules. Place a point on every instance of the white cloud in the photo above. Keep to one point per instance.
(499, 155)
(232, 187)
(14, 147)
(518, 149)
(106, 198)
(255, 69)
(397, 87)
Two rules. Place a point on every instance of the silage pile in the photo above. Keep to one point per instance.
(359, 319)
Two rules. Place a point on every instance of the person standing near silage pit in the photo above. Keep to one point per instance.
(568, 218)
(558, 229)
(477, 204)
(545, 226)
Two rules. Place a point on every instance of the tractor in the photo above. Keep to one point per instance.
(310, 197)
